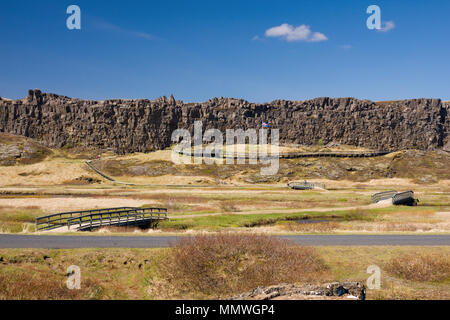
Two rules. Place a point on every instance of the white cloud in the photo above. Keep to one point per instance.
(317, 36)
(346, 46)
(386, 26)
(291, 33)
(103, 25)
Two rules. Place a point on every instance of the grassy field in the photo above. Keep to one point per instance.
(230, 207)
(205, 199)
(273, 207)
(139, 273)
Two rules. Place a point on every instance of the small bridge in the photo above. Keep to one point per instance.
(305, 185)
(92, 219)
(397, 198)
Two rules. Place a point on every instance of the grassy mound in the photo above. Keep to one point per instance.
(20, 150)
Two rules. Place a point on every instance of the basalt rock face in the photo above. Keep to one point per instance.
(144, 125)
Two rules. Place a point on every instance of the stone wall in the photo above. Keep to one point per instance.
(144, 125)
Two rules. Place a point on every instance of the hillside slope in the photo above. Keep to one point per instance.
(20, 150)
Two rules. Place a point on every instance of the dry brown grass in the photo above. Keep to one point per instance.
(23, 285)
(114, 229)
(376, 226)
(12, 208)
(204, 208)
(71, 203)
(404, 227)
(311, 227)
(226, 263)
(228, 207)
(81, 181)
(136, 273)
(164, 197)
(48, 172)
(420, 267)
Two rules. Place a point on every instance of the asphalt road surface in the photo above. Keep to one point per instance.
(74, 242)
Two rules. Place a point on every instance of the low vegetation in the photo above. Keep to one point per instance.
(217, 222)
(23, 285)
(225, 263)
(141, 273)
(14, 220)
(320, 227)
(420, 267)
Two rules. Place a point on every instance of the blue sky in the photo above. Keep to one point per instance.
(202, 49)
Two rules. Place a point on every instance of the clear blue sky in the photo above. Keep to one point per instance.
(201, 49)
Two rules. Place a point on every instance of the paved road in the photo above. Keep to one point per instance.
(73, 242)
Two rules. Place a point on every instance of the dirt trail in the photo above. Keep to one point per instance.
(61, 204)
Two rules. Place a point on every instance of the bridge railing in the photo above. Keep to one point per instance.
(57, 220)
(283, 155)
(126, 217)
(305, 185)
(383, 196)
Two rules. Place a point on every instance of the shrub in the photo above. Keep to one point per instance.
(257, 223)
(228, 207)
(226, 263)
(420, 267)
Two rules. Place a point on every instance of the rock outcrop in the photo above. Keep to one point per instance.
(143, 125)
(20, 150)
(344, 290)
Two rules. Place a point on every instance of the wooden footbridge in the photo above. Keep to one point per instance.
(92, 219)
(305, 185)
(398, 198)
(290, 155)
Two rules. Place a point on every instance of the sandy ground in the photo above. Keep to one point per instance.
(168, 180)
(60, 204)
(49, 172)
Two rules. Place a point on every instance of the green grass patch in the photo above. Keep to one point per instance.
(253, 220)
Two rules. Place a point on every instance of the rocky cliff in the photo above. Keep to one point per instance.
(144, 125)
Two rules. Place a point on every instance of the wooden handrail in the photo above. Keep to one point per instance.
(117, 218)
(383, 196)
